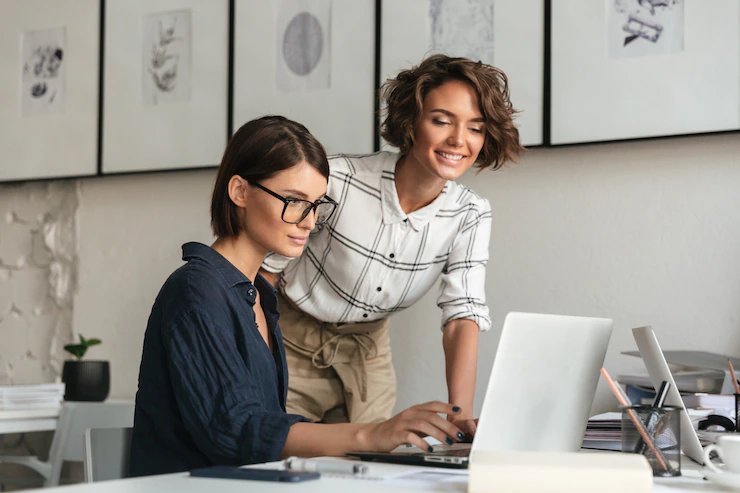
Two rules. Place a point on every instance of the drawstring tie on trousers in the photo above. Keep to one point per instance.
(363, 348)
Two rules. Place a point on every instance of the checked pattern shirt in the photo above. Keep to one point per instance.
(371, 259)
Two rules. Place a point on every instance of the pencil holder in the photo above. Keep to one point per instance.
(654, 432)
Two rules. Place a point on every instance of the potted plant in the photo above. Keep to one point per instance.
(85, 380)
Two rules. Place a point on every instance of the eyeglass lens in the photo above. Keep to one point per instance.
(296, 211)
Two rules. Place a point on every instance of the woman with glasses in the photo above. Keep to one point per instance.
(402, 225)
(213, 379)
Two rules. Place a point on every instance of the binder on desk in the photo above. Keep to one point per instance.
(699, 371)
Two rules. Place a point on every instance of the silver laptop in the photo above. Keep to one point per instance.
(660, 372)
(539, 394)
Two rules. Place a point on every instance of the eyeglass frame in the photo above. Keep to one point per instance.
(313, 207)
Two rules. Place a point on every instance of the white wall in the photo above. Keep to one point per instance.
(645, 233)
(38, 269)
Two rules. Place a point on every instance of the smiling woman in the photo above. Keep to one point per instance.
(403, 225)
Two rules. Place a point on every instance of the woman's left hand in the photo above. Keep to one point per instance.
(467, 426)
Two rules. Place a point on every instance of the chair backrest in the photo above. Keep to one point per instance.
(110, 414)
(107, 453)
(74, 419)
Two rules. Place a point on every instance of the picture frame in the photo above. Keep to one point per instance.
(312, 61)
(165, 84)
(49, 74)
(511, 38)
(630, 69)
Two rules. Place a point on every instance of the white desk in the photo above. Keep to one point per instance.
(692, 480)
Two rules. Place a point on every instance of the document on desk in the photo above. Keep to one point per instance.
(431, 479)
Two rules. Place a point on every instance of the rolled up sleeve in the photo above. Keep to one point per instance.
(219, 399)
(462, 292)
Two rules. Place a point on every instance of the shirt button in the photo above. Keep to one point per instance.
(250, 292)
(364, 315)
(391, 255)
(379, 289)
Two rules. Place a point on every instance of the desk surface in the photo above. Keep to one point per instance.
(692, 480)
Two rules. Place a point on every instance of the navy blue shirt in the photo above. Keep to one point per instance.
(210, 390)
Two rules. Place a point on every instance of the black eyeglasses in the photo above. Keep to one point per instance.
(296, 210)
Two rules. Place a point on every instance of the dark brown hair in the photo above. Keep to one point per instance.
(403, 98)
(257, 151)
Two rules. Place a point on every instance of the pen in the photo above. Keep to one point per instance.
(636, 421)
(734, 378)
(325, 466)
(654, 417)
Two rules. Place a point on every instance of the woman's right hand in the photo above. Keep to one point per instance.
(410, 425)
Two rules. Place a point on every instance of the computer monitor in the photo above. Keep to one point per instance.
(659, 372)
(543, 382)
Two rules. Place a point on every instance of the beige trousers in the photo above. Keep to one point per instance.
(338, 373)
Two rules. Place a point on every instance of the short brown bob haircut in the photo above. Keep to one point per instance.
(257, 151)
(403, 98)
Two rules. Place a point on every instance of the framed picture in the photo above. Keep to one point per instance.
(312, 61)
(49, 74)
(505, 33)
(625, 69)
(165, 84)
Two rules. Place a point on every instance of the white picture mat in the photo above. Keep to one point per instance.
(518, 51)
(173, 134)
(595, 98)
(314, 71)
(52, 145)
(342, 117)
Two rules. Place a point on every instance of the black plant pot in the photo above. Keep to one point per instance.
(86, 380)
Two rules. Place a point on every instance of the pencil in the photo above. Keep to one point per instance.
(635, 420)
(734, 378)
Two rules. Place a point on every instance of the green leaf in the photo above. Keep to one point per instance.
(77, 350)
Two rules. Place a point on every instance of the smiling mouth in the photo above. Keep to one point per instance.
(451, 157)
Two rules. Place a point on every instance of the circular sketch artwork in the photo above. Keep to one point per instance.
(303, 43)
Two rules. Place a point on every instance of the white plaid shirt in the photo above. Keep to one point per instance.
(372, 259)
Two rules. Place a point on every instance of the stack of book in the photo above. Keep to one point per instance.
(29, 401)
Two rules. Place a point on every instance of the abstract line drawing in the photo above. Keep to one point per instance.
(641, 28)
(43, 85)
(166, 56)
(462, 28)
(645, 27)
(302, 45)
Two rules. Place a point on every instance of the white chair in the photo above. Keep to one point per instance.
(107, 453)
(67, 444)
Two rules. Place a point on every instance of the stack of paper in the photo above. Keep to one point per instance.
(604, 432)
(25, 401)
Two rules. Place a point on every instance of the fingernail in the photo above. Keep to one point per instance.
(460, 435)
(449, 441)
(455, 409)
(430, 449)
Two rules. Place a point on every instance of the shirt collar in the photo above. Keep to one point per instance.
(391, 206)
(226, 269)
(231, 275)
